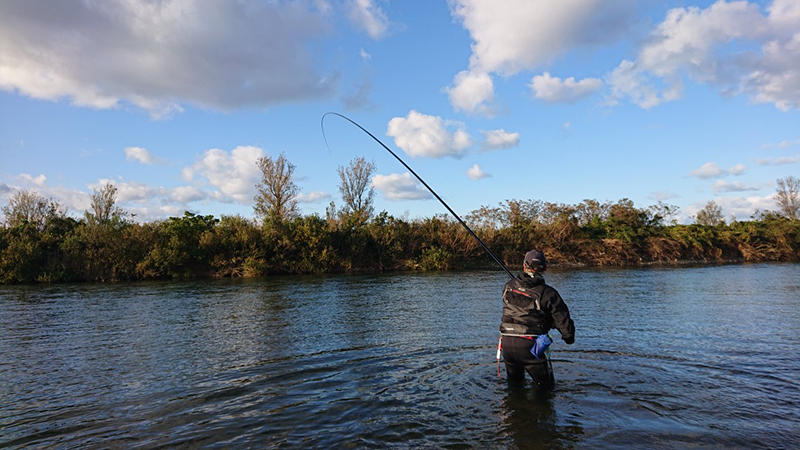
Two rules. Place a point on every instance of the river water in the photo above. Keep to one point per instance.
(700, 357)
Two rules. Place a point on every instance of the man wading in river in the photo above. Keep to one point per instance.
(530, 309)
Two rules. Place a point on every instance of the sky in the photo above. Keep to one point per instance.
(174, 101)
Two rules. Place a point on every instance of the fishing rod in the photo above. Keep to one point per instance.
(469, 230)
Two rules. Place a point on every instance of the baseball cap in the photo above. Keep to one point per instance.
(535, 258)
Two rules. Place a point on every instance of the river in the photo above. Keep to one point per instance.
(688, 357)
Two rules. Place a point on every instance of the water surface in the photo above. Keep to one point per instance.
(703, 357)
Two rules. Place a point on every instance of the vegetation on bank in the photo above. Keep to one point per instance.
(39, 242)
(66, 249)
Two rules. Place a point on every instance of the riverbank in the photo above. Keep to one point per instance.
(206, 247)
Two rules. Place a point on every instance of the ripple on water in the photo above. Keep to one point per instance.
(402, 361)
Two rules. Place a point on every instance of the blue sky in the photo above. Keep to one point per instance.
(173, 101)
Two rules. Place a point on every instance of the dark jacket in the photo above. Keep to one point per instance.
(531, 307)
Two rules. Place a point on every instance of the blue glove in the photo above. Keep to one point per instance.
(541, 344)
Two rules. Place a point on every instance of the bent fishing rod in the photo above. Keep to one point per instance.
(469, 230)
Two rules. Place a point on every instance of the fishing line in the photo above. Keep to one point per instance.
(322, 125)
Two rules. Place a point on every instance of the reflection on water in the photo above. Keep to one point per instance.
(530, 420)
(665, 358)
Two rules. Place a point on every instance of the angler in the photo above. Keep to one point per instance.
(531, 308)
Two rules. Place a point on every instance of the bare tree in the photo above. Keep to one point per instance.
(277, 192)
(591, 211)
(103, 206)
(28, 206)
(710, 215)
(331, 216)
(789, 197)
(663, 213)
(357, 194)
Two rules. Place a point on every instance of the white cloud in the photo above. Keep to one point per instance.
(398, 187)
(711, 46)
(742, 208)
(233, 174)
(736, 186)
(423, 135)
(150, 203)
(779, 161)
(708, 170)
(628, 80)
(781, 144)
(555, 90)
(37, 180)
(515, 35)
(472, 92)
(364, 55)
(499, 139)
(71, 199)
(712, 170)
(776, 77)
(313, 197)
(139, 154)
(138, 198)
(476, 173)
(157, 55)
(369, 17)
(132, 191)
(186, 194)
(660, 196)
(737, 169)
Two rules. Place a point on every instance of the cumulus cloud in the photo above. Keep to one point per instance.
(186, 194)
(782, 144)
(151, 203)
(313, 197)
(499, 139)
(740, 208)
(140, 154)
(708, 46)
(737, 169)
(661, 196)
(146, 202)
(711, 170)
(732, 45)
(158, 55)
(736, 186)
(233, 175)
(472, 92)
(779, 161)
(476, 173)
(397, 187)
(132, 191)
(516, 35)
(38, 180)
(369, 17)
(630, 81)
(70, 199)
(430, 136)
(555, 90)
(707, 170)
